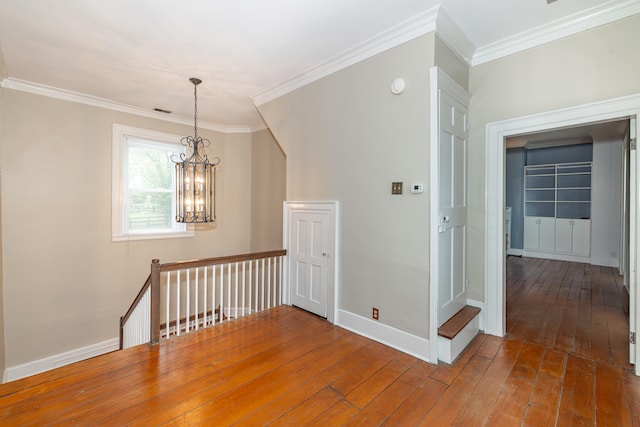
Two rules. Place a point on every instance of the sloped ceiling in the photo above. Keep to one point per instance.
(139, 54)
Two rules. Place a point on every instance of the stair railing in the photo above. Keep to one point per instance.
(181, 297)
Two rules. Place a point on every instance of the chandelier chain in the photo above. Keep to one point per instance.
(195, 111)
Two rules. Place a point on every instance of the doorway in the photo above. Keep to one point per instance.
(496, 133)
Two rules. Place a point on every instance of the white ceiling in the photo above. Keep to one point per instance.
(140, 53)
(571, 135)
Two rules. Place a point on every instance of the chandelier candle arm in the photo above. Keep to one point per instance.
(195, 176)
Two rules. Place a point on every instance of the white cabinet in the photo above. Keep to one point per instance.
(573, 236)
(581, 237)
(564, 233)
(539, 233)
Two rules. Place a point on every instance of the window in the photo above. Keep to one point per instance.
(143, 196)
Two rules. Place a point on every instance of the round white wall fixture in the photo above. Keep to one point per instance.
(397, 87)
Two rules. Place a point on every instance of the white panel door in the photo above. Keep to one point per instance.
(452, 206)
(308, 261)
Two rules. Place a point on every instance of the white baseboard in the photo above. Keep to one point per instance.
(62, 359)
(481, 315)
(515, 252)
(556, 256)
(395, 338)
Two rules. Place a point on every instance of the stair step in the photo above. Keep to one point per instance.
(453, 326)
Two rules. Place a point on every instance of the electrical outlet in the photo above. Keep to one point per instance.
(375, 313)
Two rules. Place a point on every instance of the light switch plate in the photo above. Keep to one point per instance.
(396, 188)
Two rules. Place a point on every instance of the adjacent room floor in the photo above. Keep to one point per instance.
(563, 362)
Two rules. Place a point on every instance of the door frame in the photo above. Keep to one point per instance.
(495, 136)
(331, 207)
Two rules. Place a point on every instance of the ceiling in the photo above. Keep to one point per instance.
(140, 53)
(582, 134)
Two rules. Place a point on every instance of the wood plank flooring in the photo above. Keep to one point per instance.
(562, 363)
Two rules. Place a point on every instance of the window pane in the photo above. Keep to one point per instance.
(150, 167)
(150, 210)
(150, 184)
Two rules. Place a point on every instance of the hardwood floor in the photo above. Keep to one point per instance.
(562, 363)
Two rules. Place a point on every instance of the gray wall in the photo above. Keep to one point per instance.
(560, 154)
(347, 137)
(514, 196)
(268, 187)
(58, 259)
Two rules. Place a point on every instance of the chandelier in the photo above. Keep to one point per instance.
(195, 176)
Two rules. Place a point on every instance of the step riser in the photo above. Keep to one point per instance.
(450, 349)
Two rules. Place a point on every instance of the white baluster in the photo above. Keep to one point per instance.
(244, 289)
(188, 301)
(257, 286)
(204, 299)
(269, 283)
(221, 318)
(213, 295)
(197, 292)
(280, 289)
(168, 318)
(262, 285)
(250, 285)
(229, 289)
(178, 302)
(236, 291)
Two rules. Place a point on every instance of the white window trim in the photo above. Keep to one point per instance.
(117, 226)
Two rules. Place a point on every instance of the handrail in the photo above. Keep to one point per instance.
(179, 265)
(132, 307)
(152, 284)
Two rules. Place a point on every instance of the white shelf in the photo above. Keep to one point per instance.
(558, 190)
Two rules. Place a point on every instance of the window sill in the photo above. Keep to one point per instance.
(152, 236)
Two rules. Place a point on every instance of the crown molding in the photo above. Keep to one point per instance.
(453, 36)
(435, 19)
(258, 127)
(594, 17)
(67, 95)
(402, 32)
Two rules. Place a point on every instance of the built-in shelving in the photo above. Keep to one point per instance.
(557, 208)
(560, 190)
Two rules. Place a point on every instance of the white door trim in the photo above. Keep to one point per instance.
(496, 132)
(332, 266)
